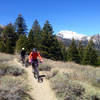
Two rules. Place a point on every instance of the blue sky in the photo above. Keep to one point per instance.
(81, 16)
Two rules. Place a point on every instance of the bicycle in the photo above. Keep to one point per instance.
(36, 71)
(24, 60)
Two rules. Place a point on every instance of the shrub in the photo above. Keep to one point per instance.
(13, 89)
(52, 74)
(16, 71)
(44, 67)
(67, 89)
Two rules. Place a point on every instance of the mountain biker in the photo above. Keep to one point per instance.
(34, 61)
(22, 54)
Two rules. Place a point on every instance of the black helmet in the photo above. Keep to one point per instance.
(34, 49)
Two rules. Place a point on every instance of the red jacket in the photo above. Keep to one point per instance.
(34, 55)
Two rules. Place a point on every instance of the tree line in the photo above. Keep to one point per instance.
(13, 37)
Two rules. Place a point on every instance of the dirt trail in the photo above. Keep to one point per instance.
(40, 91)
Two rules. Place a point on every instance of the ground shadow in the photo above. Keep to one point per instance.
(40, 79)
(41, 76)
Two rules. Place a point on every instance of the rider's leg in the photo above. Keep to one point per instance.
(21, 58)
(32, 67)
(36, 69)
(24, 59)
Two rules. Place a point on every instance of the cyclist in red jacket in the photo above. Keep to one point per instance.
(34, 61)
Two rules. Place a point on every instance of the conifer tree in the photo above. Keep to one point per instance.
(48, 28)
(30, 35)
(51, 48)
(22, 43)
(36, 27)
(9, 38)
(9, 33)
(9, 48)
(34, 36)
(30, 39)
(80, 51)
(2, 46)
(47, 33)
(72, 52)
(64, 52)
(90, 54)
(20, 25)
(37, 41)
(56, 49)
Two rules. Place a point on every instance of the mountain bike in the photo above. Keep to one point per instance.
(25, 61)
(36, 71)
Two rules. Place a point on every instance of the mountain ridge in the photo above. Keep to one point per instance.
(67, 36)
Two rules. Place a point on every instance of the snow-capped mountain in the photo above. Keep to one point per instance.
(67, 36)
(71, 35)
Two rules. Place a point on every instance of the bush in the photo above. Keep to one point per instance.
(13, 89)
(67, 89)
(44, 67)
(52, 74)
(16, 71)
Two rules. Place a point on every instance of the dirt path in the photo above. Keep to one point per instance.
(40, 91)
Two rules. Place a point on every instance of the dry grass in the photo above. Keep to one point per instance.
(13, 80)
(5, 57)
(75, 71)
(69, 79)
(13, 89)
(12, 70)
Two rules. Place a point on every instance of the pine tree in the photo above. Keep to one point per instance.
(9, 33)
(22, 43)
(2, 45)
(37, 41)
(9, 38)
(51, 48)
(20, 25)
(56, 49)
(64, 52)
(72, 52)
(90, 54)
(48, 28)
(9, 48)
(80, 51)
(30, 40)
(47, 34)
(36, 27)
(30, 35)
(34, 36)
